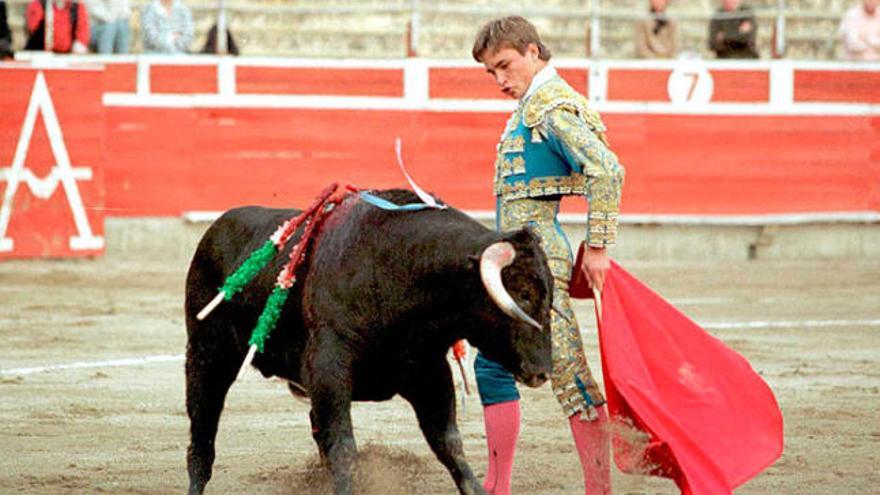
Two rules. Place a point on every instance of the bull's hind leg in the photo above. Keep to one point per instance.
(435, 409)
(330, 391)
(211, 366)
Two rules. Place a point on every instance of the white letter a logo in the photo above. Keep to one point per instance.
(62, 172)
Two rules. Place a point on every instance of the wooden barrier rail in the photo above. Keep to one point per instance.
(701, 141)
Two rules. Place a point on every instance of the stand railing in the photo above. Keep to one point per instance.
(597, 25)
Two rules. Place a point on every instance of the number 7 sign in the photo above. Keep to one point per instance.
(690, 83)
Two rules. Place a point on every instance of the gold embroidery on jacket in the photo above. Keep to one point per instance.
(514, 166)
(558, 94)
(513, 144)
(555, 108)
(605, 175)
(542, 186)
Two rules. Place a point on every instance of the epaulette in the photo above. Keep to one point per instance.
(554, 94)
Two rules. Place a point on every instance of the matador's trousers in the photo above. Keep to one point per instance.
(571, 379)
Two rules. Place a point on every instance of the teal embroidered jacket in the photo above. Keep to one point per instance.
(555, 145)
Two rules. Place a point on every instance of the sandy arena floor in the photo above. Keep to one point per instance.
(120, 426)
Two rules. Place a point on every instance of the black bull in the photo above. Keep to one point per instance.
(377, 304)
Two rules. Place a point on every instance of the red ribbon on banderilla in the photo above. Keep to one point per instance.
(312, 218)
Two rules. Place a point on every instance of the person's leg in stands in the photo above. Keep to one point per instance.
(122, 39)
(101, 38)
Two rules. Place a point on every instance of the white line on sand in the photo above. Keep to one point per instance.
(726, 325)
(720, 325)
(700, 300)
(94, 364)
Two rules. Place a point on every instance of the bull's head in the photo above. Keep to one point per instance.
(518, 280)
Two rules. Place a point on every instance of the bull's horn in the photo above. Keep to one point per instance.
(495, 258)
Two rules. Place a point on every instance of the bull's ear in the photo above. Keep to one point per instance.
(474, 261)
(523, 236)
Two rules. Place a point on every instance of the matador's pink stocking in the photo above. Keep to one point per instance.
(592, 439)
(502, 431)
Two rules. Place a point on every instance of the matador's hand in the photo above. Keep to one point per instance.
(595, 266)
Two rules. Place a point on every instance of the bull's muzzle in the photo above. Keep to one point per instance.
(535, 381)
(494, 259)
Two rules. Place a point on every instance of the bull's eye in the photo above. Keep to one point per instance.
(525, 297)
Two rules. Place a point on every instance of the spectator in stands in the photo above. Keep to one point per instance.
(70, 32)
(167, 26)
(733, 31)
(110, 30)
(860, 30)
(211, 42)
(6, 52)
(657, 35)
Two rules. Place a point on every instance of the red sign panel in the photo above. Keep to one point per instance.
(51, 162)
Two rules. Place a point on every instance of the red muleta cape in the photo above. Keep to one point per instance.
(711, 422)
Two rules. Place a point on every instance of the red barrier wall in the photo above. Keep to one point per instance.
(839, 86)
(120, 78)
(319, 81)
(675, 164)
(176, 79)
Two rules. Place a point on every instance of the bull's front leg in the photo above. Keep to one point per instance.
(434, 405)
(330, 390)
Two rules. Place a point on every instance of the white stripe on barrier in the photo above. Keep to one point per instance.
(382, 103)
(212, 100)
(780, 72)
(720, 65)
(756, 109)
(692, 220)
(323, 63)
(53, 64)
(164, 358)
(28, 57)
(742, 220)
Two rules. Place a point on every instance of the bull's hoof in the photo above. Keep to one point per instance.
(472, 489)
(195, 488)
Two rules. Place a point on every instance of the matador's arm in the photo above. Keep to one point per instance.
(587, 152)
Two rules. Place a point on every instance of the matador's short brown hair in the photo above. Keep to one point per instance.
(511, 31)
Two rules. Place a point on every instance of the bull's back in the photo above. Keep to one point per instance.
(225, 245)
(237, 232)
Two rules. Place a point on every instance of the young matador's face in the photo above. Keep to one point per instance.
(730, 5)
(658, 5)
(513, 71)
